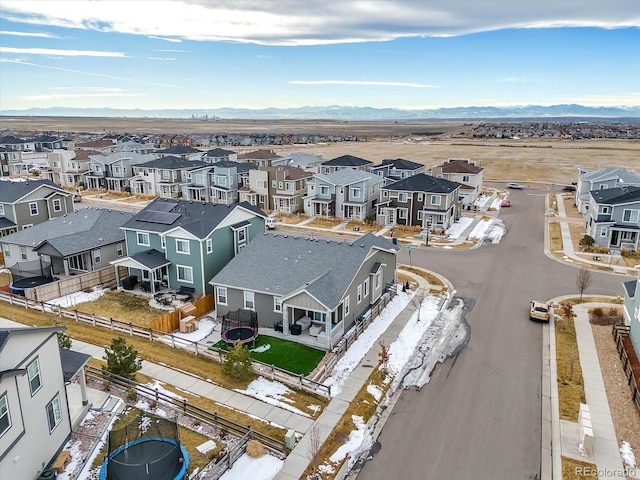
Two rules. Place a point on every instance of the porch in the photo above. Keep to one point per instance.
(94, 181)
(141, 186)
(322, 207)
(153, 267)
(624, 237)
(194, 192)
(168, 189)
(224, 196)
(285, 204)
(354, 211)
(116, 184)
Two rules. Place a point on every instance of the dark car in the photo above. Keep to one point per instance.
(569, 188)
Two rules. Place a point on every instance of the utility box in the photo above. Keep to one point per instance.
(290, 439)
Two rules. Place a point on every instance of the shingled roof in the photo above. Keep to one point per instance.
(11, 192)
(423, 183)
(347, 161)
(172, 163)
(617, 196)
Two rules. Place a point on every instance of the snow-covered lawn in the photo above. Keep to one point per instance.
(492, 228)
(458, 227)
(246, 467)
(76, 298)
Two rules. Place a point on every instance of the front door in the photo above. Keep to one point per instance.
(391, 216)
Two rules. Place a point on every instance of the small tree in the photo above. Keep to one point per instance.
(64, 341)
(418, 299)
(383, 356)
(237, 362)
(586, 242)
(583, 280)
(314, 450)
(122, 359)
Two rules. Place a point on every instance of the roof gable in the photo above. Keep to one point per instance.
(11, 192)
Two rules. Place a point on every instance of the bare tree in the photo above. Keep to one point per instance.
(314, 449)
(583, 280)
(383, 356)
(418, 299)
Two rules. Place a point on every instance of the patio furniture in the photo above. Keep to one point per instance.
(145, 286)
(277, 326)
(187, 291)
(129, 282)
(314, 330)
(304, 322)
(296, 329)
(188, 324)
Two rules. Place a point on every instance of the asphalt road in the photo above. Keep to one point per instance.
(480, 416)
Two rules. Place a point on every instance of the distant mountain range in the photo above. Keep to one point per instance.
(343, 113)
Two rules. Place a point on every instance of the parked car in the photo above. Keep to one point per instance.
(271, 223)
(515, 186)
(539, 311)
(505, 203)
(569, 188)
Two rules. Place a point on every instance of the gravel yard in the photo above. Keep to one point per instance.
(626, 417)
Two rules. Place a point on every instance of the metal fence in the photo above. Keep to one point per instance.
(620, 333)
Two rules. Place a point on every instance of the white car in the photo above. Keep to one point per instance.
(271, 223)
(515, 186)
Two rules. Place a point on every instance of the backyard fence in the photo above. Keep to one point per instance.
(625, 350)
(73, 284)
(183, 407)
(170, 322)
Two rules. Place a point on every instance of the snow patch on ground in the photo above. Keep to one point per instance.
(272, 393)
(74, 299)
(374, 391)
(205, 327)
(263, 468)
(627, 455)
(492, 229)
(455, 230)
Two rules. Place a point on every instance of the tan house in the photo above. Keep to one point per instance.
(466, 173)
(277, 188)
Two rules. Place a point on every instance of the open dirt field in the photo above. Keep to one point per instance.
(543, 160)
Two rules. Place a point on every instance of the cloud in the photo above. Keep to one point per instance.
(291, 22)
(361, 82)
(58, 52)
(172, 40)
(84, 72)
(170, 50)
(161, 58)
(29, 34)
(79, 92)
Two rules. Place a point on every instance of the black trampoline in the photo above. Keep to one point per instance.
(19, 286)
(147, 449)
(239, 326)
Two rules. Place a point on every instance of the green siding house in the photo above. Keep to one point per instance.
(184, 244)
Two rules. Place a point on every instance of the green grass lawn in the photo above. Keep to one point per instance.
(291, 356)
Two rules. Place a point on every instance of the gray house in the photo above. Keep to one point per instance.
(25, 204)
(345, 161)
(394, 169)
(79, 242)
(324, 286)
(602, 179)
(184, 244)
(631, 310)
(113, 171)
(613, 217)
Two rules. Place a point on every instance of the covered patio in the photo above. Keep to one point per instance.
(73, 364)
(153, 267)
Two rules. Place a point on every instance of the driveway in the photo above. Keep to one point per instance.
(480, 416)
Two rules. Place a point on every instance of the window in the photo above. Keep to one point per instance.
(630, 216)
(5, 418)
(209, 245)
(365, 287)
(165, 174)
(261, 184)
(163, 243)
(6, 251)
(57, 205)
(273, 184)
(249, 301)
(23, 253)
(54, 412)
(119, 249)
(261, 199)
(465, 178)
(116, 169)
(324, 190)
(185, 274)
(78, 262)
(420, 214)
(603, 232)
(377, 280)
(277, 304)
(182, 246)
(355, 192)
(96, 256)
(33, 208)
(345, 305)
(385, 194)
(143, 238)
(33, 370)
(420, 196)
(402, 213)
(435, 199)
(288, 186)
(359, 293)
(1, 209)
(606, 209)
(242, 235)
(222, 295)
(56, 164)
(221, 180)
(280, 185)
(402, 197)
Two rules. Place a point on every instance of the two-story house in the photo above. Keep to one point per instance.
(162, 177)
(631, 311)
(25, 204)
(602, 179)
(305, 161)
(216, 155)
(48, 143)
(184, 244)
(394, 169)
(67, 167)
(421, 200)
(7, 157)
(277, 188)
(345, 162)
(112, 172)
(313, 292)
(346, 193)
(181, 151)
(259, 158)
(226, 178)
(466, 173)
(17, 144)
(35, 422)
(78, 242)
(613, 217)
(129, 147)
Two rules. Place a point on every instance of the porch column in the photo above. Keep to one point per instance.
(285, 321)
(117, 276)
(83, 388)
(65, 263)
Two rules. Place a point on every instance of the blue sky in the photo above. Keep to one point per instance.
(408, 54)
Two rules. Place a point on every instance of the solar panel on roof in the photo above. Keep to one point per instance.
(165, 218)
(162, 206)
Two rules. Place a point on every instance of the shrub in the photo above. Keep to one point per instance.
(586, 242)
(122, 359)
(597, 312)
(237, 362)
(255, 449)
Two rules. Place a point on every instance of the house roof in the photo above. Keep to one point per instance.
(295, 173)
(178, 150)
(95, 144)
(218, 152)
(133, 157)
(459, 166)
(151, 259)
(199, 219)
(75, 232)
(347, 161)
(609, 173)
(616, 196)
(282, 265)
(630, 288)
(6, 333)
(241, 167)
(171, 163)
(85, 154)
(401, 164)
(72, 363)
(6, 223)
(11, 192)
(261, 154)
(424, 183)
(300, 159)
(347, 176)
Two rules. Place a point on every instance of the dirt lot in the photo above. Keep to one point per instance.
(430, 143)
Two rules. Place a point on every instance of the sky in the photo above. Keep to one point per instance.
(408, 54)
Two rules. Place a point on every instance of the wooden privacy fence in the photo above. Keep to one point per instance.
(621, 337)
(183, 407)
(170, 322)
(76, 283)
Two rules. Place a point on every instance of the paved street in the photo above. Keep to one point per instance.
(480, 416)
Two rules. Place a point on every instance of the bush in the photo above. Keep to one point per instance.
(597, 312)
(255, 449)
(586, 242)
(237, 362)
(122, 359)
